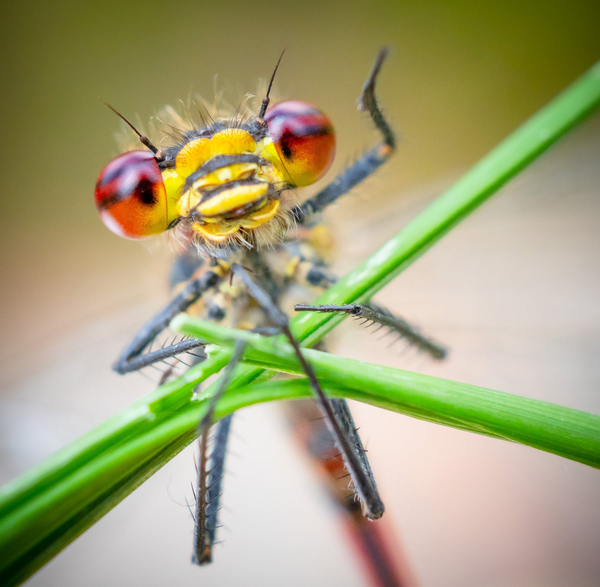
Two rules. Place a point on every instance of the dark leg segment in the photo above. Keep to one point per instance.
(147, 359)
(216, 474)
(208, 490)
(378, 315)
(181, 302)
(368, 163)
(319, 276)
(344, 417)
(363, 480)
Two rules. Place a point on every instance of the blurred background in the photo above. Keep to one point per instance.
(513, 291)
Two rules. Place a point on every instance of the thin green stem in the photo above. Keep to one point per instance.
(556, 429)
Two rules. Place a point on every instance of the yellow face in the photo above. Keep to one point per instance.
(226, 183)
(223, 185)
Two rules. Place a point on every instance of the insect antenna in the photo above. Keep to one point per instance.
(266, 99)
(143, 138)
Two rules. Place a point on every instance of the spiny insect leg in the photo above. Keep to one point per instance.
(308, 420)
(150, 358)
(209, 482)
(366, 488)
(369, 162)
(216, 474)
(130, 359)
(317, 275)
(377, 314)
(344, 417)
(380, 315)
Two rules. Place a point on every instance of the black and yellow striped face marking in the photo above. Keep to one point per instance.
(227, 183)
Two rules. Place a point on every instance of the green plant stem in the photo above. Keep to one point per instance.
(556, 429)
(86, 479)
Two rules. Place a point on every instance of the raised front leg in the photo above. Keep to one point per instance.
(368, 163)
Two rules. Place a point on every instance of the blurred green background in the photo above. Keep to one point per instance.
(513, 292)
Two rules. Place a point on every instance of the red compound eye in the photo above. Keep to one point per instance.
(131, 196)
(304, 139)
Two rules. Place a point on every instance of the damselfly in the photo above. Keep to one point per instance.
(227, 193)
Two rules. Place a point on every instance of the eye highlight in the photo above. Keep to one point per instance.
(304, 139)
(131, 196)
